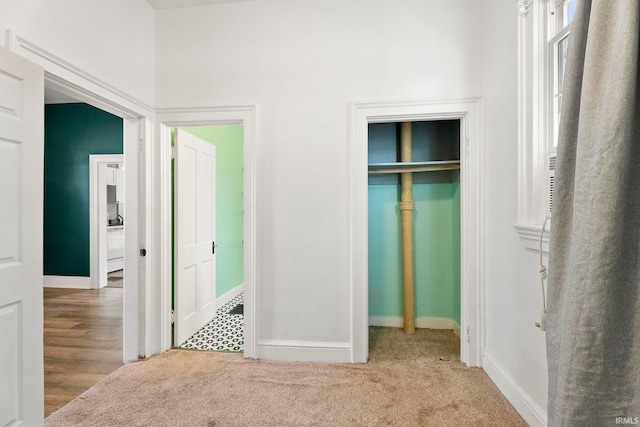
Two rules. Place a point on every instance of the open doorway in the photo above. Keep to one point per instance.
(198, 117)
(115, 241)
(414, 231)
(208, 213)
(83, 320)
(107, 220)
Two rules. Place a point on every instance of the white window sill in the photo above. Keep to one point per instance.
(530, 237)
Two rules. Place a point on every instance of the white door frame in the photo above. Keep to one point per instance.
(214, 116)
(96, 222)
(72, 81)
(469, 112)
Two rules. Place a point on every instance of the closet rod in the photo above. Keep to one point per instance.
(408, 164)
(402, 169)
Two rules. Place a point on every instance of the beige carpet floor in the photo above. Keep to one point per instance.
(409, 381)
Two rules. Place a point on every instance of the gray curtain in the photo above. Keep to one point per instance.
(593, 321)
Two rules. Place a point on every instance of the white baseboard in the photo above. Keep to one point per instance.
(532, 413)
(304, 351)
(421, 322)
(456, 327)
(68, 282)
(220, 301)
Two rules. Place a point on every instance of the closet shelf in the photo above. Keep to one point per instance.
(414, 166)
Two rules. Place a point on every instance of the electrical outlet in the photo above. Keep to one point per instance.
(543, 321)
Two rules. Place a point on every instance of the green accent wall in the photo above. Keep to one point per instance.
(71, 133)
(229, 202)
(436, 237)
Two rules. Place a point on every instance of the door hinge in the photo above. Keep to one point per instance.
(173, 317)
(173, 153)
(468, 334)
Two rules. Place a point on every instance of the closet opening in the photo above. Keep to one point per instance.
(414, 233)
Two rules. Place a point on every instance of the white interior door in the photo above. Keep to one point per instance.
(195, 231)
(21, 222)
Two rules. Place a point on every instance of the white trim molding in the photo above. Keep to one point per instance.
(167, 118)
(59, 70)
(470, 113)
(526, 406)
(531, 118)
(304, 351)
(523, 6)
(421, 322)
(530, 237)
(222, 300)
(67, 282)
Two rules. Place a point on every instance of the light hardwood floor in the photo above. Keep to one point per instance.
(82, 341)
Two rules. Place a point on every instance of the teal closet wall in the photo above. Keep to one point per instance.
(436, 229)
(229, 202)
(72, 132)
(455, 249)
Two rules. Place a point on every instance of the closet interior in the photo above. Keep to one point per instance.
(414, 224)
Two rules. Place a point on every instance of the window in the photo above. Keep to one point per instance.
(543, 38)
(561, 15)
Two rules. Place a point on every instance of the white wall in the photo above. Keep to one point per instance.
(112, 40)
(302, 63)
(515, 348)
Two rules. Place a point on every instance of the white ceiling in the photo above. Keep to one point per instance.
(174, 4)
